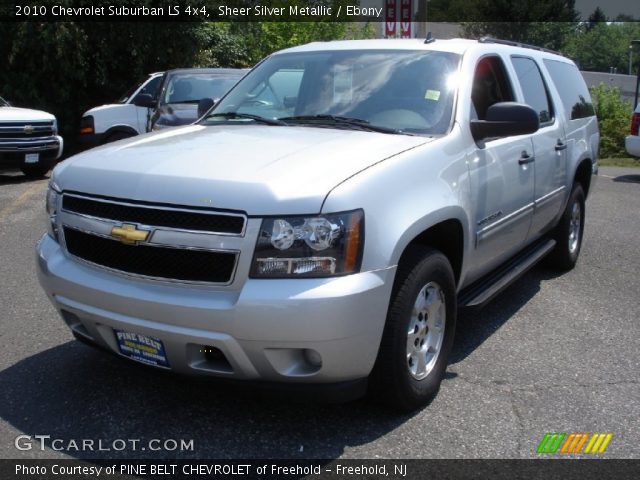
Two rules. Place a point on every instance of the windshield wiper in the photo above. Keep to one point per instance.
(255, 118)
(336, 120)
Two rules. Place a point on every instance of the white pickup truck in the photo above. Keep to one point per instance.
(29, 140)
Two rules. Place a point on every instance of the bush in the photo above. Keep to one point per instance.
(614, 116)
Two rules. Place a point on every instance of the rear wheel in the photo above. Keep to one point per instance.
(569, 232)
(419, 331)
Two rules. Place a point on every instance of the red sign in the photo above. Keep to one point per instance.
(406, 9)
(390, 18)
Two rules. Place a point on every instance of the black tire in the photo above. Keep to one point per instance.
(115, 136)
(392, 380)
(36, 171)
(565, 254)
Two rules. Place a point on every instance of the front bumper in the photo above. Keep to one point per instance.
(632, 145)
(262, 329)
(13, 152)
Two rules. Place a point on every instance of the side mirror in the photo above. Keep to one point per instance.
(144, 100)
(505, 119)
(204, 105)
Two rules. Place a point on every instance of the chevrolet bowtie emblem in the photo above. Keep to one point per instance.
(28, 129)
(129, 234)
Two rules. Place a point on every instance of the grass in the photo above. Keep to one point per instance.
(619, 162)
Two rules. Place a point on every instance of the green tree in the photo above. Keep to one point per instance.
(613, 119)
(546, 23)
(595, 18)
(602, 47)
(45, 67)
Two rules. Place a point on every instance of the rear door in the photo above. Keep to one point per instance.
(549, 145)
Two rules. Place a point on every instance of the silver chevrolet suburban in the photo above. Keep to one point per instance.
(323, 223)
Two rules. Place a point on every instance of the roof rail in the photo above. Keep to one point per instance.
(515, 44)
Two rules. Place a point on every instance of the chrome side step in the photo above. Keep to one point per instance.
(484, 290)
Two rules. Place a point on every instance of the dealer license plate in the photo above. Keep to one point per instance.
(32, 158)
(142, 348)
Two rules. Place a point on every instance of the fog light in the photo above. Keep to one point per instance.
(312, 357)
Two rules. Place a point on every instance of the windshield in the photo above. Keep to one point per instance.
(402, 91)
(193, 87)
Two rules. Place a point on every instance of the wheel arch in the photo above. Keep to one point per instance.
(119, 129)
(446, 236)
(583, 174)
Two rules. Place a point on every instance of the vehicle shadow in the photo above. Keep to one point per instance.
(73, 392)
(476, 326)
(627, 179)
(16, 178)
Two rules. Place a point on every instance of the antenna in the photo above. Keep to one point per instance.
(429, 38)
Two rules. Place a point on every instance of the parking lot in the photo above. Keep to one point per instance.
(554, 353)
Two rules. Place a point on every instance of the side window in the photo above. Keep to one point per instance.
(151, 86)
(533, 87)
(490, 85)
(572, 89)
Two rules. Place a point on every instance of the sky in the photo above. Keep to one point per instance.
(611, 8)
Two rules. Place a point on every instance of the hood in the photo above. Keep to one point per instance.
(15, 114)
(108, 106)
(258, 169)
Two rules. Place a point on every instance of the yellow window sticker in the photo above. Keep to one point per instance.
(432, 95)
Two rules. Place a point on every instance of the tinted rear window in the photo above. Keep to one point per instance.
(572, 89)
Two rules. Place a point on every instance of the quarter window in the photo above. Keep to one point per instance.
(572, 89)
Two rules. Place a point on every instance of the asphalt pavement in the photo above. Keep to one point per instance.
(553, 353)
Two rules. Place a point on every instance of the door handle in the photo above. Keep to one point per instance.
(526, 158)
(560, 146)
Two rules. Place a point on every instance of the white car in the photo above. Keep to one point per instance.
(632, 142)
(124, 119)
(29, 140)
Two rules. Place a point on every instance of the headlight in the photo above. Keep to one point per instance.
(312, 246)
(52, 205)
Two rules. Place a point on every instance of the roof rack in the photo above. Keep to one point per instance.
(515, 44)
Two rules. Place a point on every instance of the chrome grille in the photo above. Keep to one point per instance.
(185, 244)
(184, 218)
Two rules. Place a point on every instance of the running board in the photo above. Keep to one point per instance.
(483, 291)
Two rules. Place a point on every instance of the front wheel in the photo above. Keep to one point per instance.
(418, 333)
(568, 233)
